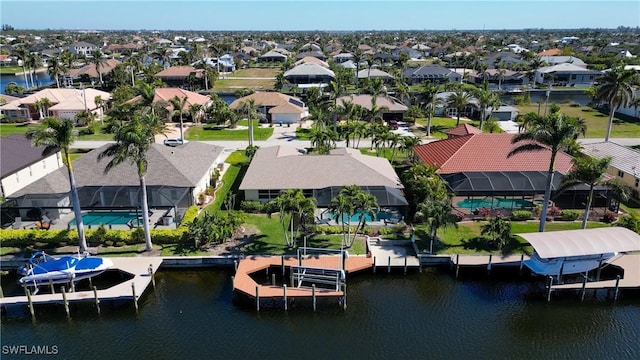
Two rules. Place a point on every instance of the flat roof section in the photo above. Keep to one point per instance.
(554, 244)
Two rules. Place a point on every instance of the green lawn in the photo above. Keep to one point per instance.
(439, 126)
(10, 129)
(269, 238)
(386, 153)
(10, 70)
(466, 239)
(200, 133)
(237, 163)
(100, 133)
(303, 133)
(596, 121)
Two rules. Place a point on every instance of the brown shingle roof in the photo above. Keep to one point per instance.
(90, 69)
(264, 98)
(486, 152)
(179, 72)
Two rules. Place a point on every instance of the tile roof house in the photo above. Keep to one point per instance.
(374, 74)
(164, 95)
(625, 162)
(309, 73)
(322, 176)
(276, 107)
(550, 52)
(462, 130)
(66, 103)
(177, 75)
(90, 71)
(22, 164)
(313, 60)
(433, 73)
(175, 178)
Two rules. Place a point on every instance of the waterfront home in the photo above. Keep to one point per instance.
(175, 178)
(625, 162)
(391, 108)
(277, 168)
(21, 164)
(309, 73)
(276, 108)
(434, 73)
(65, 104)
(555, 60)
(83, 48)
(89, 72)
(315, 54)
(375, 74)
(164, 96)
(566, 74)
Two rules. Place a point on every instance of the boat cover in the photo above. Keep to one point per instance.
(567, 243)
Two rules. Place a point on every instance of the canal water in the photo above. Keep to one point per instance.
(193, 314)
(41, 79)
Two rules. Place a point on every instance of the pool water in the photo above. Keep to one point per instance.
(496, 203)
(381, 215)
(107, 217)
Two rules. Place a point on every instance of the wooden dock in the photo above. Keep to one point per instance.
(141, 268)
(243, 282)
(485, 260)
(630, 264)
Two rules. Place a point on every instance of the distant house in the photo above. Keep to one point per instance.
(509, 79)
(374, 74)
(277, 168)
(65, 104)
(309, 73)
(313, 60)
(276, 107)
(413, 54)
(443, 110)
(175, 177)
(164, 96)
(625, 162)
(343, 57)
(272, 56)
(566, 74)
(21, 163)
(83, 48)
(122, 48)
(392, 109)
(433, 73)
(89, 70)
(551, 52)
(555, 60)
(315, 54)
(177, 75)
(507, 59)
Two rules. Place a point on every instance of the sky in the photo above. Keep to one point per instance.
(328, 15)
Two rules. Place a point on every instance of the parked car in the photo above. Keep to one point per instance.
(393, 124)
(174, 142)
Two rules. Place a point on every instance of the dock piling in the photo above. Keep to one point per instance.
(65, 301)
(599, 270)
(489, 264)
(389, 265)
(235, 266)
(615, 294)
(405, 265)
(31, 311)
(282, 261)
(313, 295)
(90, 283)
(153, 278)
(53, 290)
(521, 263)
(549, 288)
(584, 287)
(257, 298)
(374, 264)
(97, 301)
(273, 279)
(284, 294)
(344, 296)
(135, 298)
(457, 264)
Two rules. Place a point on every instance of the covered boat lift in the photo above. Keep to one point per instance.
(578, 251)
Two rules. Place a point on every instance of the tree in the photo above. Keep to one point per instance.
(352, 200)
(486, 100)
(429, 101)
(133, 141)
(437, 213)
(23, 54)
(13, 89)
(459, 100)
(250, 108)
(293, 208)
(343, 208)
(616, 88)
(498, 229)
(55, 69)
(552, 132)
(57, 135)
(591, 171)
(33, 62)
(178, 105)
(99, 62)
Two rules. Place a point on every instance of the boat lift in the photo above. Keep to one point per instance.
(332, 275)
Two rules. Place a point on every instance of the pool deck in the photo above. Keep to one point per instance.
(65, 222)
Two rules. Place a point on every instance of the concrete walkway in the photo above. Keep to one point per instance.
(392, 252)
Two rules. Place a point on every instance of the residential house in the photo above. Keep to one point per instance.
(83, 48)
(22, 164)
(89, 72)
(309, 73)
(551, 52)
(343, 57)
(272, 56)
(278, 168)
(315, 54)
(434, 73)
(175, 178)
(164, 96)
(497, 79)
(375, 73)
(313, 60)
(443, 110)
(65, 104)
(391, 108)
(625, 162)
(462, 130)
(177, 76)
(555, 60)
(277, 108)
(412, 53)
(566, 74)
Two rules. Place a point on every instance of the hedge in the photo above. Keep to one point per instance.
(521, 215)
(571, 215)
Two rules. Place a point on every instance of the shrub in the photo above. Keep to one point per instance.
(631, 222)
(554, 211)
(136, 236)
(609, 217)
(108, 243)
(86, 131)
(521, 215)
(189, 215)
(251, 206)
(120, 244)
(570, 215)
(399, 228)
(97, 235)
(385, 231)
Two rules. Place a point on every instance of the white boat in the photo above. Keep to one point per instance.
(565, 265)
(63, 270)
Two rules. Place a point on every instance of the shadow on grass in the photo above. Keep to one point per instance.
(256, 246)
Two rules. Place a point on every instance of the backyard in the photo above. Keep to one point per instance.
(208, 133)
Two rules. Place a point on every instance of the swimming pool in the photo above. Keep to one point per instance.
(496, 203)
(380, 216)
(107, 217)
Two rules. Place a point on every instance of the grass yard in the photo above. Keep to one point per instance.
(439, 126)
(269, 238)
(10, 129)
(10, 70)
(303, 133)
(386, 153)
(100, 134)
(200, 133)
(256, 72)
(466, 239)
(231, 85)
(237, 162)
(596, 121)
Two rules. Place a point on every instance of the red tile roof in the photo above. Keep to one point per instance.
(463, 129)
(486, 152)
(550, 52)
(179, 72)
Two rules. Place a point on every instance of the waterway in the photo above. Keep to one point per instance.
(192, 314)
(41, 78)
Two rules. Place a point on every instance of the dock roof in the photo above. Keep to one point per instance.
(555, 244)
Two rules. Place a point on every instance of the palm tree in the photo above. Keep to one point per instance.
(196, 112)
(251, 109)
(343, 208)
(99, 62)
(147, 94)
(133, 141)
(57, 135)
(429, 101)
(616, 88)
(178, 105)
(407, 143)
(498, 229)
(591, 171)
(486, 99)
(55, 69)
(458, 100)
(552, 132)
(437, 213)
(33, 62)
(23, 54)
(297, 207)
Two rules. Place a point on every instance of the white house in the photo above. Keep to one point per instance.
(566, 74)
(83, 48)
(22, 164)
